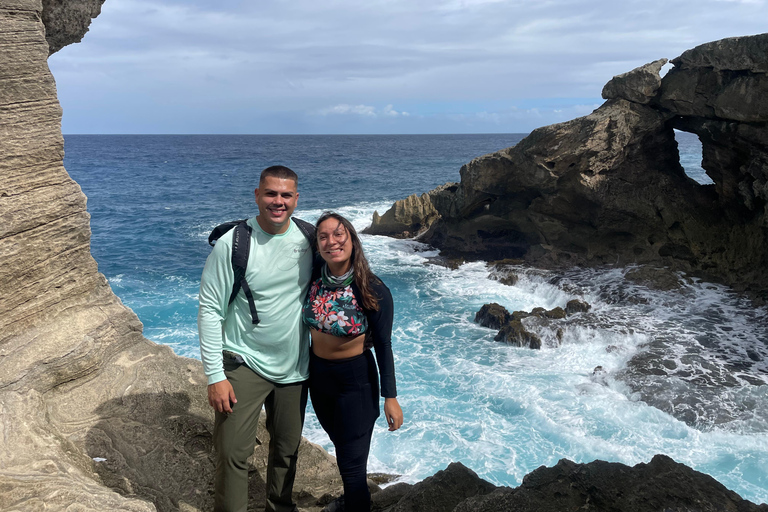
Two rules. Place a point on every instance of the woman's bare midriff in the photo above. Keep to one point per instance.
(328, 346)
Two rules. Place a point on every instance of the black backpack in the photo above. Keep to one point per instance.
(241, 248)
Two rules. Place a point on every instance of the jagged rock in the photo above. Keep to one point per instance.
(519, 315)
(409, 217)
(557, 313)
(389, 497)
(654, 278)
(724, 79)
(66, 22)
(502, 272)
(640, 85)
(514, 333)
(492, 316)
(607, 189)
(599, 486)
(440, 492)
(576, 306)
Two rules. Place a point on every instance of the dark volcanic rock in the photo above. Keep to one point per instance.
(576, 306)
(515, 333)
(661, 485)
(440, 492)
(608, 188)
(492, 316)
(654, 278)
(503, 272)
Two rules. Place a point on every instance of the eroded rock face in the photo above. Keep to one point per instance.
(411, 216)
(95, 417)
(608, 188)
(639, 85)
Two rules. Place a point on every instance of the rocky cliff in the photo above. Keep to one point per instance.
(94, 416)
(608, 188)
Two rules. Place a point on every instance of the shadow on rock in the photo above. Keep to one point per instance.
(149, 446)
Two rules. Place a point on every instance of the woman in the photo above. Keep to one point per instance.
(349, 310)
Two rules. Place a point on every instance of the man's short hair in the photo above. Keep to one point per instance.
(280, 172)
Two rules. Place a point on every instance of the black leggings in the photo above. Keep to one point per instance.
(345, 396)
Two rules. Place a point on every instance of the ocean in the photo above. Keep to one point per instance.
(502, 411)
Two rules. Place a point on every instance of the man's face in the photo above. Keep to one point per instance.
(276, 199)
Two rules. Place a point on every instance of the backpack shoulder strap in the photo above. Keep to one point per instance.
(241, 248)
(307, 229)
(310, 232)
(219, 230)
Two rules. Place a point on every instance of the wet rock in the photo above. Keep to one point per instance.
(640, 85)
(557, 313)
(492, 316)
(443, 261)
(654, 278)
(576, 306)
(514, 333)
(519, 315)
(502, 271)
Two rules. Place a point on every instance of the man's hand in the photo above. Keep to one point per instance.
(221, 396)
(393, 413)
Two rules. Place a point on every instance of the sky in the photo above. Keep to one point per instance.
(369, 66)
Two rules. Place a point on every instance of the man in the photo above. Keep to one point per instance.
(249, 365)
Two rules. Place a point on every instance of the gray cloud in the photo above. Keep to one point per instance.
(208, 64)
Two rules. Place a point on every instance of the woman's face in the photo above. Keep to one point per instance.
(335, 244)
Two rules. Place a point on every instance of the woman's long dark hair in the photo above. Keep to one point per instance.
(362, 272)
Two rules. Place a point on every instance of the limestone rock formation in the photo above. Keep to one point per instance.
(409, 217)
(639, 85)
(608, 188)
(95, 417)
(67, 21)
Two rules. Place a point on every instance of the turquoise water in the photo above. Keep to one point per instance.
(502, 411)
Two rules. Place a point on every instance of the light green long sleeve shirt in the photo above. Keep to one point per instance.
(278, 273)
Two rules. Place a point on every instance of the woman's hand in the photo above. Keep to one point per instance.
(393, 413)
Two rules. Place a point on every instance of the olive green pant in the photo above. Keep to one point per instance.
(235, 437)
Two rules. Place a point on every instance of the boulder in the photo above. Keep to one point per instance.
(576, 306)
(492, 316)
(442, 492)
(654, 278)
(640, 85)
(515, 333)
